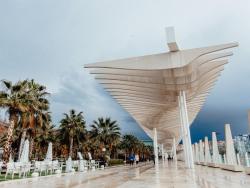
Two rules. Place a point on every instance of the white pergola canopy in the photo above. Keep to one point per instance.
(148, 86)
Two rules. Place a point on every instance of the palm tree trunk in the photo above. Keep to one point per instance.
(31, 147)
(7, 146)
(32, 119)
(71, 147)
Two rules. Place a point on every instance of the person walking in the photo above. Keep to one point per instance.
(131, 159)
(137, 158)
(153, 157)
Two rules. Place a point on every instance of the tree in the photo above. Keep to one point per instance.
(44, 135)
(143, 150)
(129, 143)
(27, 105)
(106, 132)
(72, 128)
(12, 98)
(36, 114)
(38, 107)
(38, 104)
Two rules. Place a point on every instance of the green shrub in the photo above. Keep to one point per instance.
(113, 162)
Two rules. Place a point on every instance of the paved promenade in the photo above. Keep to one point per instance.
(167, 175)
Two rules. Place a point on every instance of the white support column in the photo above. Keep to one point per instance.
(193, 150)
(162, 152)
(183, 134)
(197, 156)
(207, 151)
(187, 136)
(230, 151)
(156, 147)
(201, 151)
(238, 159)
(174, 150)
(216, 155)
(225, 159)
(189, 142)
(247, 160)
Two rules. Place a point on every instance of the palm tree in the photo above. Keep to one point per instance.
(27, 106)
(12, 98)
(129, 143)
(148, 151)
(38, 103)
(106, 132)
(91, 145)
(143, 150)
(44, 135)
(36, 114)
(72, 128)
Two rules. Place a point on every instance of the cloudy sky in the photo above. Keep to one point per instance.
(51, 40)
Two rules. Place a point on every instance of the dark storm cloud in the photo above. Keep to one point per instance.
(79, 91)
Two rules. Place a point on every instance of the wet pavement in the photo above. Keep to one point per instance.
(142, 176)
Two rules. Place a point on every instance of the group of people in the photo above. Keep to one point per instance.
(133, 158)
(170, 158)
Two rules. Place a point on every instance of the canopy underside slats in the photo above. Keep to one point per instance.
(148, 86)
